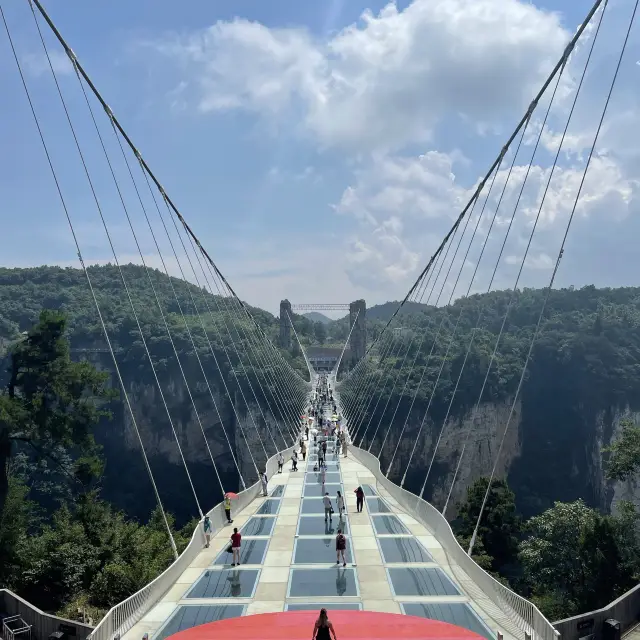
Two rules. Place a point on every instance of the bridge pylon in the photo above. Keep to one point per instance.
(358, 340)
(285, 324)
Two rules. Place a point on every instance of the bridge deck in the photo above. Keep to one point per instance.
(395, 564)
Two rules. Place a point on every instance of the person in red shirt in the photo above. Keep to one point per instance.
(236, 539)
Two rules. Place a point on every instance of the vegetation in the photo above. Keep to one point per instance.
(568, 560)
(584, 371)
(624, 461)
(77, 551)
(222, 357)
(65, 546)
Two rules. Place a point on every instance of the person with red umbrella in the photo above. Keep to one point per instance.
(227, 505)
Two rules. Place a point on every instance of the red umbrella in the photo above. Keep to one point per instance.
(231, 495)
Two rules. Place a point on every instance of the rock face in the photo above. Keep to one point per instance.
(542, 463)
(205, 424)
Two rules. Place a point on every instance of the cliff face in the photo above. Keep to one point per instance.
(551, 451)
(542, 463)
(205, 424)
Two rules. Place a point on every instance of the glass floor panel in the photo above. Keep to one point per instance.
(225, 583)
(269, 507)
(316, 526)
(251, 552)
(457, 613)
(258, 526)
(192, 615)
(278, 492)
(377, 505)
(318, 551)
(403, 550)
(420, 581)
(388, 525)
(322, 582)
(329, 606)
(315, 506)
(369, 490)
(315, 490)
(330, 477)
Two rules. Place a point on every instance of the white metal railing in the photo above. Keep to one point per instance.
(126, 614)
(524, 614)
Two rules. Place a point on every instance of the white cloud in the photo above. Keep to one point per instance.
(385, 81)
(37, 64)
(394, 207)
(399, 79)
(421, 188)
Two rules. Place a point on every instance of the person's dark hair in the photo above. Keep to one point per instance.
(235, 529)
(323, 618)
(339, 531)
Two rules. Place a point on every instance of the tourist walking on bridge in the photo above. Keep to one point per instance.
(341, 547)
(206, 525)
(227, 508)
(264, 481)
(236, 541)
(359, 498)
(280, 462)
(328, 509)
(323, 627)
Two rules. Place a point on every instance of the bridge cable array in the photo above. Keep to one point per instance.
(374, 380)
(278, 387)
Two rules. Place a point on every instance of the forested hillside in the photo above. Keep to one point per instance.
(211, 335)
(584, 375)
(581, 393)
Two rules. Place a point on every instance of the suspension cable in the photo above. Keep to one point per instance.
(175, 295)
(186, 324)
(560, 254)
(346, 342)
(91, 289)
(444, 317)
(372, 388)
(239, 324)
(153, 289)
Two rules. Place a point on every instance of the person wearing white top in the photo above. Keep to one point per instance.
(340, 502)
(327, 507)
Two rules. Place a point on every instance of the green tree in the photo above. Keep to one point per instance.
(320, 332)
(624, 452)
(572, 560)
(50, 402)
(500, 527)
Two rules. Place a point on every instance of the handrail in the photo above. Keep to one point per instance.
(524, 614)
(126, 614)
(625, 609)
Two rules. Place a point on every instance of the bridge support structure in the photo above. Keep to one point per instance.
(285, 324)
(357, 314)
(358, 340)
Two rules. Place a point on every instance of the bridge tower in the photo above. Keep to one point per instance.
(358, 340)
(285, 324)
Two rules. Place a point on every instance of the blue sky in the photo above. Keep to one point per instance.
(321, 149)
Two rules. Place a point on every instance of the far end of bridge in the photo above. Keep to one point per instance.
(325, 358)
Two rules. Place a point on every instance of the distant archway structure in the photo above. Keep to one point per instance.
(357, 342)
